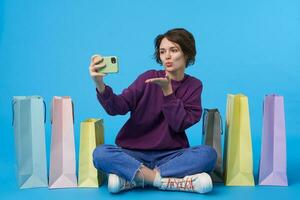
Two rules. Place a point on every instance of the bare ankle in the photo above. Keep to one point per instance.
(145, 176)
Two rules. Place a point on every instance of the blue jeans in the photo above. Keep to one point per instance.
(170, 163)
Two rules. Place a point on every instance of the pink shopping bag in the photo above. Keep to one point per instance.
(62, 153)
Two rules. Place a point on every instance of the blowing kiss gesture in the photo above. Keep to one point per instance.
(164, 83)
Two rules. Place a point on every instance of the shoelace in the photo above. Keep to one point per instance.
(128, 185)
(181, 184)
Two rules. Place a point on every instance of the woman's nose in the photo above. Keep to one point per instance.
(168, 55)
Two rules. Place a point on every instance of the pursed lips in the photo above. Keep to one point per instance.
(168, 64)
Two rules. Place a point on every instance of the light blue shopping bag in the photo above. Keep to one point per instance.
(29, 133)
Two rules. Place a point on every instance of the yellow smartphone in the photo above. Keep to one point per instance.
(111, 65)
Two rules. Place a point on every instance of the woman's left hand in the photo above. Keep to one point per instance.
(164, 83)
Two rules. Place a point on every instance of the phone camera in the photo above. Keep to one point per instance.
(113, 60)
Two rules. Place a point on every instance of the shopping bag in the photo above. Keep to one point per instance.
(212, 136)
(91, 135)
(272, 169)
(29, 134)
(238, 161)
(62, 151)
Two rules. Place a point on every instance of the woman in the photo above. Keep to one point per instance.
(152, 147)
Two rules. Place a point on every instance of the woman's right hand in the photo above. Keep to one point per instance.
(96, 64)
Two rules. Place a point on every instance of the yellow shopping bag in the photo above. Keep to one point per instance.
(238, 161)
(91, 135)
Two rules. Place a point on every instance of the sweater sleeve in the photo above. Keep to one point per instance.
(182, 114)
(127, 101)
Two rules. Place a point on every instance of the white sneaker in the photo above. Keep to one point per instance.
(200, 183)
(117, 184)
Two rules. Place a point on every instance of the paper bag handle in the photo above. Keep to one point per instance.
(204, 119)
(205, 115)
(13, 111)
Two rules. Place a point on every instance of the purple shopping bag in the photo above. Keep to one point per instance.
(272, 169)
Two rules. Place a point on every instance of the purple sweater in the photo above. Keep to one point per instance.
(156, 122)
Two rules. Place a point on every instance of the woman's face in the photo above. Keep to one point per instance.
(171, 56)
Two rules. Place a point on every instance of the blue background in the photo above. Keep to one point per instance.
(250, 47)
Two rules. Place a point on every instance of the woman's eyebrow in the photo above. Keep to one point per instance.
(173, 47)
